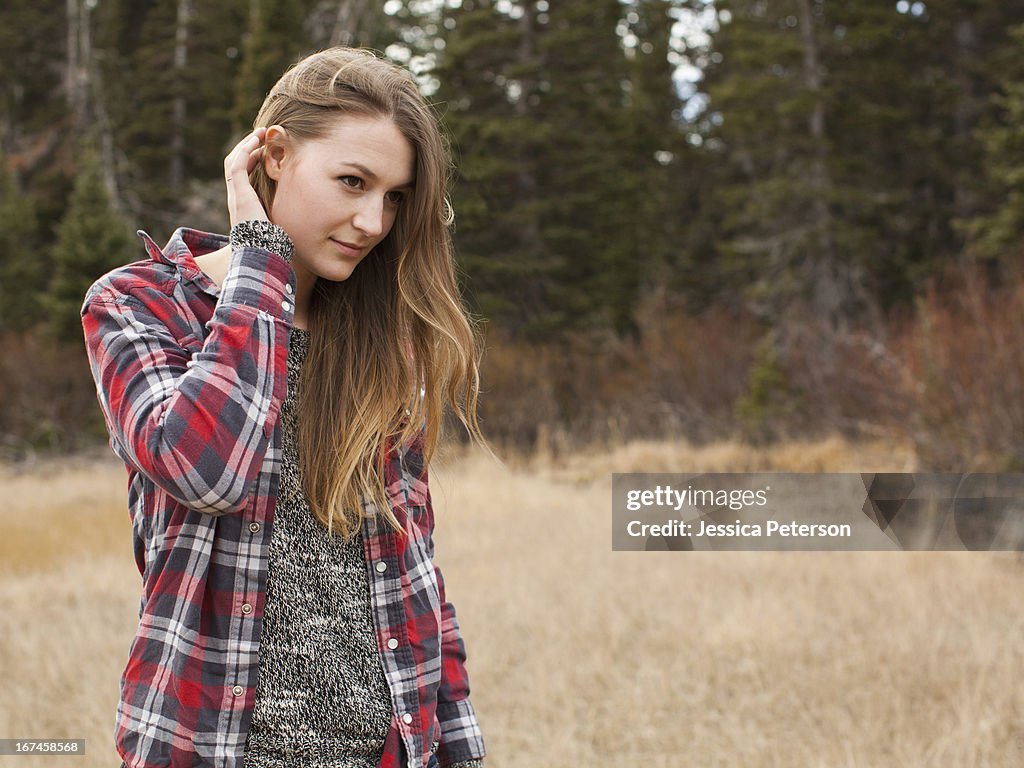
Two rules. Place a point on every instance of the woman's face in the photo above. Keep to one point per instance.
(337, 197)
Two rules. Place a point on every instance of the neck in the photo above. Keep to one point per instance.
(215, 266)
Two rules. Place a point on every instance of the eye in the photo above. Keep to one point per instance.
(396, 198)
(351, 181)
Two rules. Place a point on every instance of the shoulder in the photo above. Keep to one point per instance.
(158, 274)
(146, 296)
(143, 279)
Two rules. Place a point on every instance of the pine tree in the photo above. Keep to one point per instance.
(489, 89)
(21, 270)
(590, 179)
(664, 166)
(847, 146)
(213, 64)
(781, 233)
(571, 191)
(169, 71)
(273, 42)
(30, 41)
(995, 235)
(149, 87)
(91, 240)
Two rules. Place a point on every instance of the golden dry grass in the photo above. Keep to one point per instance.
(583, 656)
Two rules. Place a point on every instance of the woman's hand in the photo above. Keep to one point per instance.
(243, 202)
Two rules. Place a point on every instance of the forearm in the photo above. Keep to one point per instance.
(196, 419)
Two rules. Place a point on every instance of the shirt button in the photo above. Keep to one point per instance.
(246, 608)
(287, 287)
(406, 718)
(238, 690)
(392, 643)
(254, 527)
(382, 566)
(285, 306)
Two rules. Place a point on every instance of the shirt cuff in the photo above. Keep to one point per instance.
(461, 738)
(260, 278)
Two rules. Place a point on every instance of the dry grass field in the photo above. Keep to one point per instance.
(580, 656)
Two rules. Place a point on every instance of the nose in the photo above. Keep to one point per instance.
(369, 219)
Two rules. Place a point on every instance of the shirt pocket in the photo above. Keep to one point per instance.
(418, 522)
(420, 518)
(417, 492)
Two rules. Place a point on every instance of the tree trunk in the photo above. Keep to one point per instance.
(348, 22)
(71, 54)
(525, 178)
(179, 115)
(966, 105)
(74, 97)
(110, 158)
(828, 293)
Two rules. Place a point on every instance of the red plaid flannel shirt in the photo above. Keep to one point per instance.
(190, 378)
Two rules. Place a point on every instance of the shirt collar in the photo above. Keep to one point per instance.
(181, 251)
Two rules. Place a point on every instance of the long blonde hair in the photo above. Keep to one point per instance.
(396, 327)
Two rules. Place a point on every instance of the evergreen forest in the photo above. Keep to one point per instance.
(699, 219)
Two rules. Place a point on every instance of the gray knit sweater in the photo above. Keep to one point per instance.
(322, 700)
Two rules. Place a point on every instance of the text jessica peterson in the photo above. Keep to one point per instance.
(718, 499)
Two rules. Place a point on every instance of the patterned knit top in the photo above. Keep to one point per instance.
(322, 700)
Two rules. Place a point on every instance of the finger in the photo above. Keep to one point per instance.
(239, 156)
(245, 147)
(242, 200)
(254, 159)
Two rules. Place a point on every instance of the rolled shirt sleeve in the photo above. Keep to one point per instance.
(461, 737)
(196, 419)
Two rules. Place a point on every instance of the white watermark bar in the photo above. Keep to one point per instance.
(48, 747)
(910, 511)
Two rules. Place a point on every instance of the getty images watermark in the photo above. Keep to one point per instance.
(820, 511)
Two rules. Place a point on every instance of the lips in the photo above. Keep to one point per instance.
(348, 249)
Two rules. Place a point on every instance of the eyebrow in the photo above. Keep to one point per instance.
(373, 176)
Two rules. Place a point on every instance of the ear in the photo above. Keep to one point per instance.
(277, 146)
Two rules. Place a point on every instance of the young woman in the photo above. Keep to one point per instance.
(276, 396)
